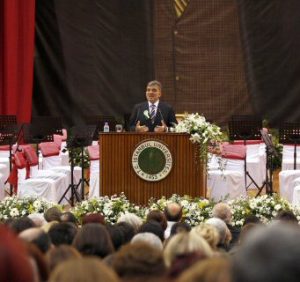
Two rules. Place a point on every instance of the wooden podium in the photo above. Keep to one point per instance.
(187, 176)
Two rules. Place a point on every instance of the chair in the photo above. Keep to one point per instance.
(288, 157)
(49, 184)
(229, 183)
(93, 152)
(50, 152)
(286, 183)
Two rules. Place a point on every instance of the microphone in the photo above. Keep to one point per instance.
(137, 116)
(161, 115)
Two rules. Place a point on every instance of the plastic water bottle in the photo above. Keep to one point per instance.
(106, 127)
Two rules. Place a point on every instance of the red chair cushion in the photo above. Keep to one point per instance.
(49, 149)
(230, 151)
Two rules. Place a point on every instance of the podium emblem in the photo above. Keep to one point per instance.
(152, 160)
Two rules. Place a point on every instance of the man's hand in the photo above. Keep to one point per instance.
(141, 128)
(161, 128)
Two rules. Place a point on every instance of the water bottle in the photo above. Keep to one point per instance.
(106, 127)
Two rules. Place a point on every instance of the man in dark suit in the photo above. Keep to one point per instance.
(153, 115)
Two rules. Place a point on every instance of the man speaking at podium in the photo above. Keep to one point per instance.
(153, 115)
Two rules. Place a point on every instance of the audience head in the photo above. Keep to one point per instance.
(148, 238)
(180, 227)
(127, 230)
(139, 260)
(38, 219)
(132, 219)
(117, 235)
(246, 230)
(173, 212)
(20, 224)
(158, 216)
(153, 227)
(252, 219)
(222, 211)
(62, 233)
(269, 255)
(14, 262)
(183, 244)
(88, 269)
(53, 214)
(61, 253)
(93, 239)
(209, 233)
(216, 269)
(93, 218)
(286, 216)
(68, 217)
(220, 226)
(38, 237)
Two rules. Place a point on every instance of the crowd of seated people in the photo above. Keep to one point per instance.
(162, 247)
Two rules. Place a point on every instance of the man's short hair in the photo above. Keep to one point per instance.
(53, 214)
(154, 82)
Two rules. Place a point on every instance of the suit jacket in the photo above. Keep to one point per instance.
(141, 113)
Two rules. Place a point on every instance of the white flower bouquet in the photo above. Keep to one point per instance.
(13, 207)
(110, 207)
(202, 132)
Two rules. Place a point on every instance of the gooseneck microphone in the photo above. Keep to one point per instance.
(161, 115)
(137, 116)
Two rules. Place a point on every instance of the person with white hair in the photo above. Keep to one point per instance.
(224, 233)
(223, 211)
(148, 238)
(132, 219)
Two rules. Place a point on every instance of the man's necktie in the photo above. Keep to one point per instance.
(152, 113)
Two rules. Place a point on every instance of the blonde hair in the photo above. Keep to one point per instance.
(209, 233)
(211, 270)
(88, 269)
(185, 243)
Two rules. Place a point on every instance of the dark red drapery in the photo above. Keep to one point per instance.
(17, 20)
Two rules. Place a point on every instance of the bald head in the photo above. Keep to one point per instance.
(173, 212)
(222, 211)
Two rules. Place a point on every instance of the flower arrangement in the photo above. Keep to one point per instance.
(13, 207)
(195, 210)
(111, 207)
(264, 207)
(202, 132)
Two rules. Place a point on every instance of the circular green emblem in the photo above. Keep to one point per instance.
(152, 160)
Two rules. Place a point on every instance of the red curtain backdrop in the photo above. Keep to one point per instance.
(17, 21)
